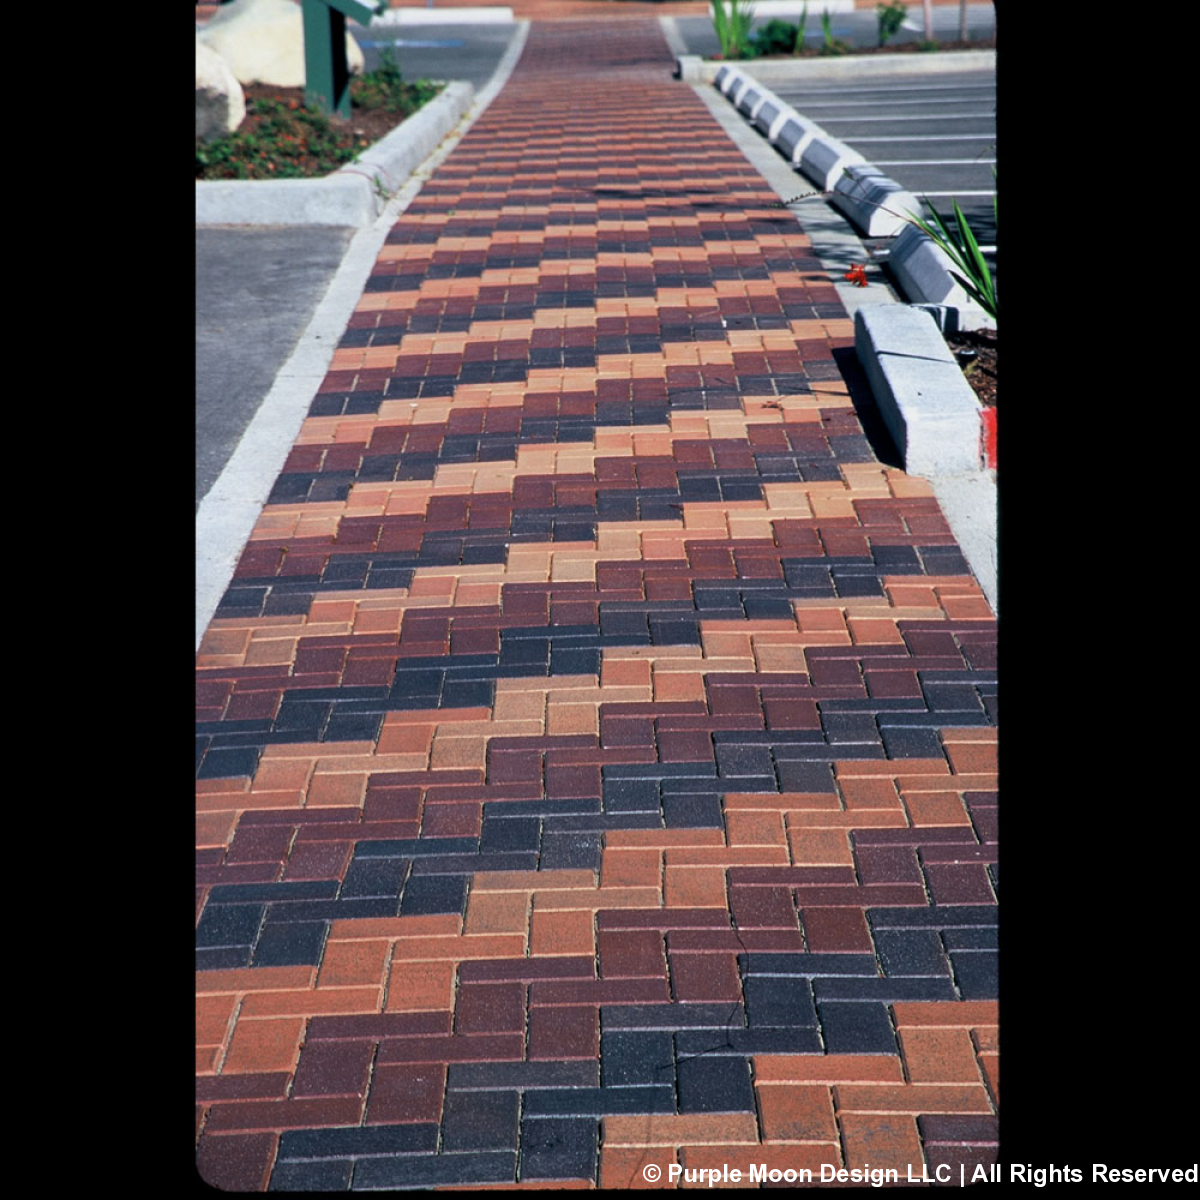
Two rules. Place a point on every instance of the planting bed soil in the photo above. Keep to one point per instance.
(976, 354)
(281, 139)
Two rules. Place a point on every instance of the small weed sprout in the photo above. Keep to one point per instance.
(832, 45)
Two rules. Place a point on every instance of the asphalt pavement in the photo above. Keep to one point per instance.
(256, 290)
(448, 51)
(935, 134)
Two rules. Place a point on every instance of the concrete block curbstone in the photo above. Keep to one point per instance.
(878, 205)
(825, 158)
(922, 269)
(724, 79)
(737, 86)
(927, 405)
(749, 99)
(794, 135)
(767, 115)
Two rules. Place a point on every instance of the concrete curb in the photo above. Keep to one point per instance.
(494, 14)
(826, 158)
(927, 405)
(856, 66)
(922, 269)
(793, 8)
(968, 496)
(354, 195)
(875, 203)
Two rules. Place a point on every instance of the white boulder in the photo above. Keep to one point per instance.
(263, 42)
(220, 102)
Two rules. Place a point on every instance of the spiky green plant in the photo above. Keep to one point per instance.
(832, 45)
(733, 26)
(800, 25)
(962, 248)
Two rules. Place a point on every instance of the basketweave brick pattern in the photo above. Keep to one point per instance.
(597, 755)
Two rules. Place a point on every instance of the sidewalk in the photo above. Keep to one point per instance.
(597, 748)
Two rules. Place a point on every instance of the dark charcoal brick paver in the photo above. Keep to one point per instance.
(480, 1121)
(715, 1084)
(558, 1148)
(854, 1028)
(434, 1170)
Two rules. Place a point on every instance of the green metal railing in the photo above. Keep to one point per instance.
(326, 72)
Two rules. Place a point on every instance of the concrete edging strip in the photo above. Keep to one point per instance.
(877, 204)
(927, 405)
(228, 513)
(490, 14)
(854, 66)
(923, 271)
(354, 195)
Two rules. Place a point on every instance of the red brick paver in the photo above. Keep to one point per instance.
(598, 761)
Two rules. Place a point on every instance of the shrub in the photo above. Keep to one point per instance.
(775, 37)
(891, 17)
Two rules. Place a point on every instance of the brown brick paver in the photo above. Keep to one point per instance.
(598, 764)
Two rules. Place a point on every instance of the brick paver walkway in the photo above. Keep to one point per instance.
(597, 742)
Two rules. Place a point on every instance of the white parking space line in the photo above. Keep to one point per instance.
(929, 137)
(882, 102)
(913, 87)
(924, 117)
(931, 162)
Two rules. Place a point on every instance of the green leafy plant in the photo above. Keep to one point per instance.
(800, 29)
(962, 248)
(775, 37)
(284, 134)
(890, 17)
(832, 45)
(384, 88)
(732, 26)
(284, 138)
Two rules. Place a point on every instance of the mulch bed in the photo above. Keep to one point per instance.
(364, 128)
(350, 137)
(976, 354)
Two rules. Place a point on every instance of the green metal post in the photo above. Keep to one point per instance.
(326, 72)
(324, 53)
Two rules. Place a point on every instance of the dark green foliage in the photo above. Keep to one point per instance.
(286, 133)
(775, 37)
(891, 17)
(290, 140)
(384, 88)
